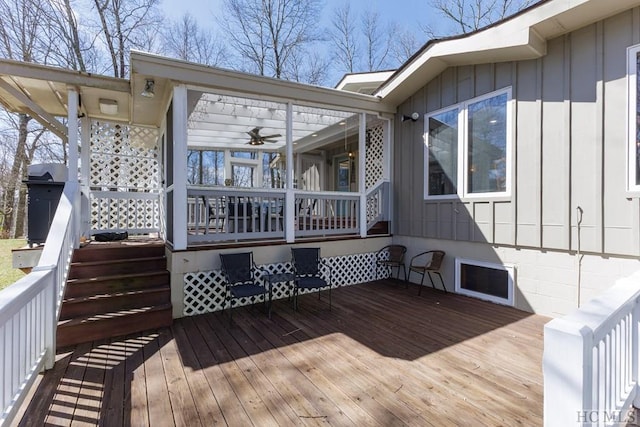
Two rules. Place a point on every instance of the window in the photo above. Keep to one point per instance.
(633, 140)
(492, 282)
(205, 167)
(467, 148)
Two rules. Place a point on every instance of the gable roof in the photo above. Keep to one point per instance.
(520, 37)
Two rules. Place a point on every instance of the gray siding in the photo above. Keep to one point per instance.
(569, 149)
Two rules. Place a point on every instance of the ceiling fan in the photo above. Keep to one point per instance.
(257, 139)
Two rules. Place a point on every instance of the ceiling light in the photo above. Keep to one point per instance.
(149, 88)
(108, 106)
(342, 123)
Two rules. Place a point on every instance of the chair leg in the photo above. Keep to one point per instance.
(404, 270)
(444, 288)
(421, 284)
(407, 278)
(433, 285)
(329, 296)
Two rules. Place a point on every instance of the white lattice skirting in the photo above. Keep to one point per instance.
(204, 290)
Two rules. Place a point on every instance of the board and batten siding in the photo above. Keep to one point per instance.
(569, 149)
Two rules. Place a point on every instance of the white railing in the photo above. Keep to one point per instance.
(29, 309)
(215, 215)
(326, 213)
(377, 203)
(590, 360)
(233, 214)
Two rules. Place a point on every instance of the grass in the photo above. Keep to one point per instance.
(8, 274)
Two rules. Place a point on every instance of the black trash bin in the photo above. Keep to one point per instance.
(45, 184)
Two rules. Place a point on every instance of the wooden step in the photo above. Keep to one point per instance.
(103, 252)
(113, 302)
(84, 270)
(381, 227)
(114, 284)
(108, 325)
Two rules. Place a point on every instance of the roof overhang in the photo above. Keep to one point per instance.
(521, 37)
(167, 72)
(363, 82)
(42, 92)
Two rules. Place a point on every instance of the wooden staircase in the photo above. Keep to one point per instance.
(115, 289)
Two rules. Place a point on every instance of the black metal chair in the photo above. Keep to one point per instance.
(426, 263)
(307, 269)
(392, 256)
(240, 279)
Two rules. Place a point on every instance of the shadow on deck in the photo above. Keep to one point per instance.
(382, 356)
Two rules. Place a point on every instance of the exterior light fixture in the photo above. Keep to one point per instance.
(108, 106)
(413, 117)
(149, 88)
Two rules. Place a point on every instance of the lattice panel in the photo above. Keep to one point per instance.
(124, 214)
(374, 156)
(123, 158)
(143, 137)
(204, 290)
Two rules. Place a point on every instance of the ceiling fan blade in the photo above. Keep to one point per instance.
(275, 135)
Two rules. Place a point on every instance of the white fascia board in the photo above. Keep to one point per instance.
(69, 77)
(216, 78)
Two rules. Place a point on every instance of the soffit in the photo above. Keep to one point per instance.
(41, 91)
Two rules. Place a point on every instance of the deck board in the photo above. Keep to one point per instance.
(382, 356)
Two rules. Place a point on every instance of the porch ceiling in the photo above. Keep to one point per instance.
(223, 121)
(42, 92)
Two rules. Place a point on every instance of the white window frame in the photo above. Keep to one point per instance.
(632, 90)
(463, 149)
(510, 269)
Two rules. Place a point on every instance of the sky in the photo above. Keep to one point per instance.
(406, 13)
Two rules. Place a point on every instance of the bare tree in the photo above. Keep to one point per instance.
(470, 15)
(268, 34)
(125, 24)
(311, 68)
(343, 37)
(377, 41)
(184, 39)
(73, 48)
(405, 45)
(22, 38)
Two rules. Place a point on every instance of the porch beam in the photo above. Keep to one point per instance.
(34, 110)
(69, 77)
(211, 77)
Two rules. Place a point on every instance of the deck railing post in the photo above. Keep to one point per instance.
(635, 353)
(567, 365)
(50, 315)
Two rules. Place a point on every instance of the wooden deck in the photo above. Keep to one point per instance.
(382, 356)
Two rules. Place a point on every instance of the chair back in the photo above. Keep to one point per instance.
(435, 262)
(306, 261)
(240, 209)
(396, 253)
(237, 268)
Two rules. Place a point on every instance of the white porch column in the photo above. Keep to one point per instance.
(362, 169)
(290, 197)
(72, 148)
(85, 178)
(179, 145)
